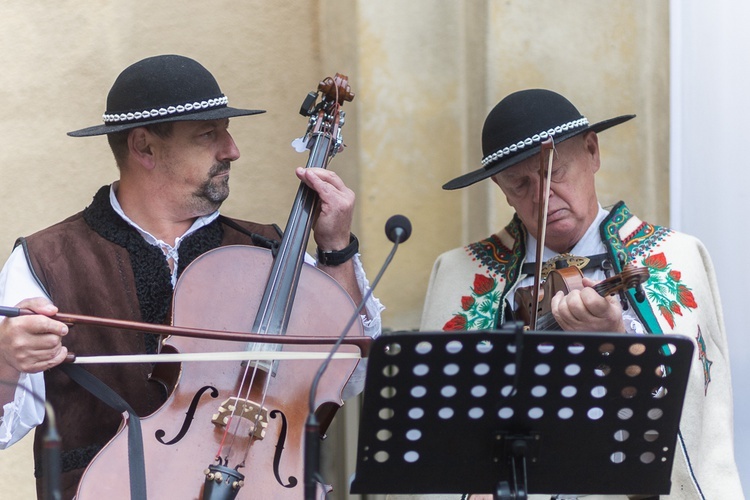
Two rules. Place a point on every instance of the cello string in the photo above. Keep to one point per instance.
(322, 128)
(234, 412)
(256, 368)
(257, 415)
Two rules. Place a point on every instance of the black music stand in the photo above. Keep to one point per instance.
(511, 413)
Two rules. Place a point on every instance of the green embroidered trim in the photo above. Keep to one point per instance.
(515, 229)
(636, 244)
(496, 257)
(610, 232)
(481, 309)
(703, 357)
(645, 238)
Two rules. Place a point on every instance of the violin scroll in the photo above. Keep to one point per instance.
(630, 277)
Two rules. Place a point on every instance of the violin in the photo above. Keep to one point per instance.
(565, 280)
(235, 429)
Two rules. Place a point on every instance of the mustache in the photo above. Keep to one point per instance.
(219, 168)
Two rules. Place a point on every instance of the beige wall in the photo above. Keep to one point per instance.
(425, 74)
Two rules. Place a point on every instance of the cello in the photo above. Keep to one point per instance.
(236, 429)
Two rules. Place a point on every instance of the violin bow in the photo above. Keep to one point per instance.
(545, 172)
(209, 356)
(363, 343)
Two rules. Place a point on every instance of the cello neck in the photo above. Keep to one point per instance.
(323, 139)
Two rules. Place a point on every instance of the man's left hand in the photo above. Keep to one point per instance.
(585, 310)
(333, 218)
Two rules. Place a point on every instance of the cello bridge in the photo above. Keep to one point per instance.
(243, 408)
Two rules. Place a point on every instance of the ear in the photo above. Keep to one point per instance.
(140, 146)
(591, 145)
(497, 182)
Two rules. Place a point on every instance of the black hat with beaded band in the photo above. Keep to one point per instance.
(516, 127)
(159, 89)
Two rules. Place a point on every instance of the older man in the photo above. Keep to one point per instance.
(473, 287)
(167, 122)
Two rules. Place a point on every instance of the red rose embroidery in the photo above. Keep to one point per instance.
(479, 308)
(483, 285)
(667, 315)
(457, 322)
(657, 261)
(675, 307)
(686, 297)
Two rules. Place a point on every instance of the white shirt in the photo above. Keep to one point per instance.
(26, 411)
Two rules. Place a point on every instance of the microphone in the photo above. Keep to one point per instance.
(51, 461)
(398, 227)
(398, 230)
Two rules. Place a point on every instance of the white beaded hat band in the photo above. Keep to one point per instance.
(180, 109)
(515, 128)
(533, 140)
(162, 89)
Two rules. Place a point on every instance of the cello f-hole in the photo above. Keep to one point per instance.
(189, 415)
(279, 450)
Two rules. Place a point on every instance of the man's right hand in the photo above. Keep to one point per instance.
(32, 343)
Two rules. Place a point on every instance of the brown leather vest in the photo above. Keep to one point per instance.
(94, 263)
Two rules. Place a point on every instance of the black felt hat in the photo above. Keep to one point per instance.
(516, 127)
(161, 89)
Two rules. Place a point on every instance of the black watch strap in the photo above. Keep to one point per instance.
(339, 256)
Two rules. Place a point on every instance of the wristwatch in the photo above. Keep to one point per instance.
(338, 257)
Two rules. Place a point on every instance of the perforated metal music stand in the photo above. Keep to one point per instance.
(513, 413)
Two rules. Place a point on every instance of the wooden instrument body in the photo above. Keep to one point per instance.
(211, 294)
